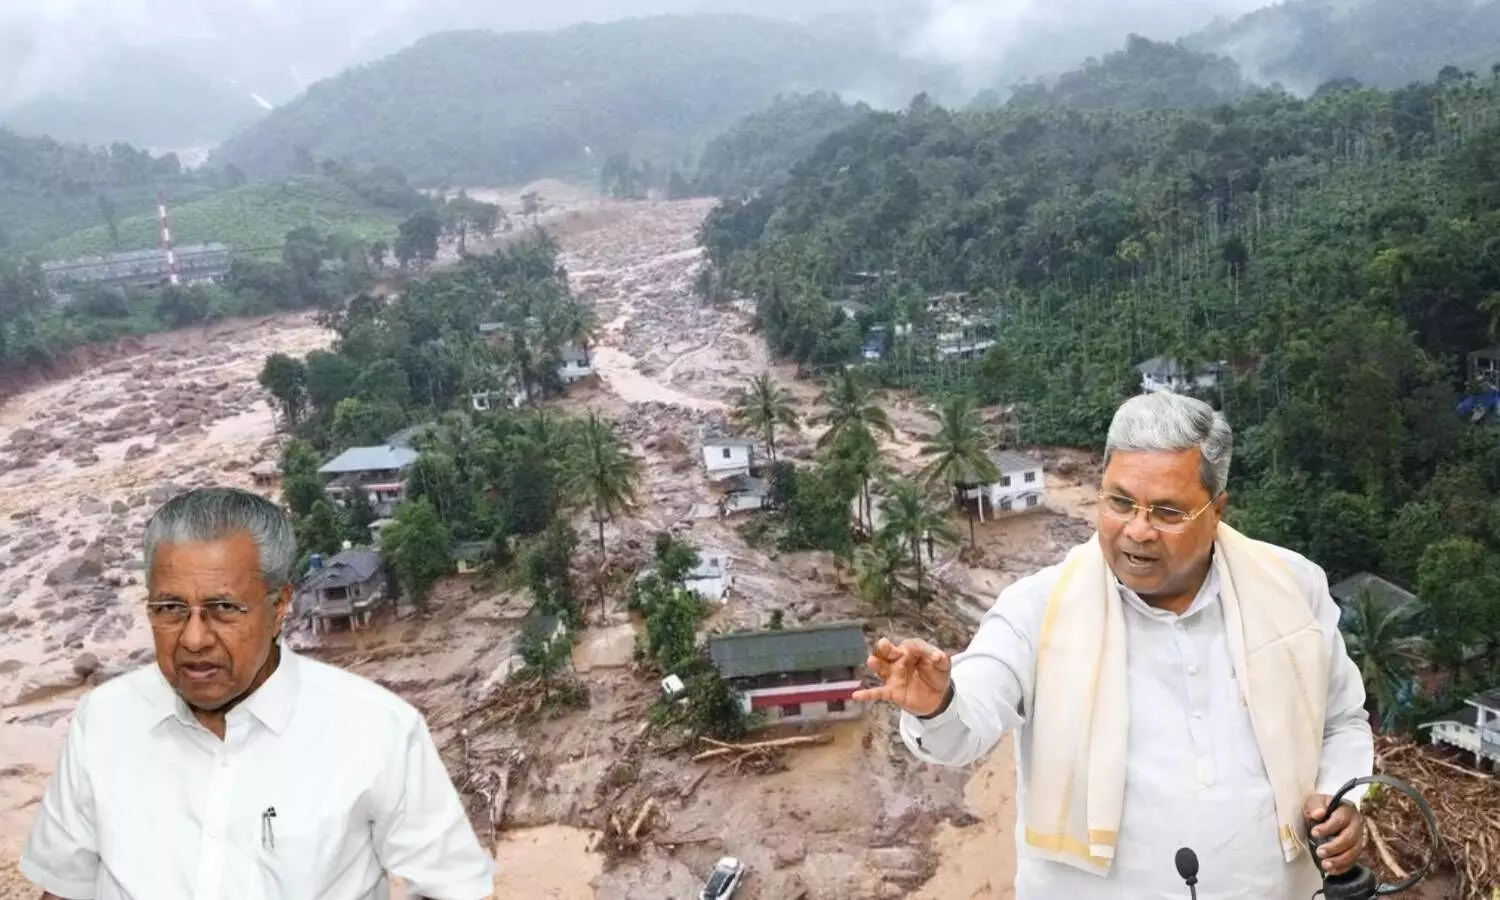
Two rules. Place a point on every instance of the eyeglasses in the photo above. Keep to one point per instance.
(167, 615)
(1162, 518)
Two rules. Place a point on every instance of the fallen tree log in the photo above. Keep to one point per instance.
(721, 749)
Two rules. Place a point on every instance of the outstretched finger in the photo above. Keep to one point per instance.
(917, 650)
(864, 695)
(886, 650)
(880, 667)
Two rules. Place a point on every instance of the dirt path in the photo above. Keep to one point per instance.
(858, 818)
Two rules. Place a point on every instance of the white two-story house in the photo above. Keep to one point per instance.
(1021, 486)
(726, 457)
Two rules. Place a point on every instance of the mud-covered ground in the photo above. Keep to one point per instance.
(83, 461)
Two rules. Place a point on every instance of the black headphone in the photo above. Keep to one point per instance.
(1359, 882)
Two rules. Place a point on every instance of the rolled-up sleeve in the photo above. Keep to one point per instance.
(424, 836)
(991, 683)
(62, 853)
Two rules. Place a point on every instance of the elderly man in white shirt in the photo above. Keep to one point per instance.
(1170, 684)
(234, 768)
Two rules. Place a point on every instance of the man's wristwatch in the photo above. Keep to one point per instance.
(942, 707)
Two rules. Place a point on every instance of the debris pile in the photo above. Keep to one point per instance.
(1466, 803)
(623, 829)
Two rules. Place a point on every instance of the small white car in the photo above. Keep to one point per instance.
(728, 873)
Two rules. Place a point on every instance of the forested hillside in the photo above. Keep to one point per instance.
(480, 107)
(1146, 74)
(1336, 255)
(50, 189)
(1381, 43)
(61, 200)
(760, 150)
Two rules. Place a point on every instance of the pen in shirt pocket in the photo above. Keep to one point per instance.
(268, 829)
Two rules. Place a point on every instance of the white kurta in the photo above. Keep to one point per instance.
(148, 804)
(1194, 776)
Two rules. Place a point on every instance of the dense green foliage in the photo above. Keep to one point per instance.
(1334, 252)
(1145, 75)
(1382, 43)
(479, 107)
(64, 200)
(760, 150)
(409, 365)
(49, 190)
(253, 217)
(36, 329)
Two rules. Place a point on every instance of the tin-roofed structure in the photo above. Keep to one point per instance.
(1387, 595)
(378, 472)
(350, 586)
(196, 264)
(794, 674)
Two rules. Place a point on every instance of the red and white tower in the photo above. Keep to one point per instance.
(173, 276)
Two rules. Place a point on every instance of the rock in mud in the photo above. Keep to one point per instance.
(85, 665)
(75, 569)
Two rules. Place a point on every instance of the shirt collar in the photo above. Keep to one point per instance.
(1207, 595)
(271, 704)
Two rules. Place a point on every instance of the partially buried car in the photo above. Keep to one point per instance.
(728, 873)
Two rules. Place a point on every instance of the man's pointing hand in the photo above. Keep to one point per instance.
(914, 676)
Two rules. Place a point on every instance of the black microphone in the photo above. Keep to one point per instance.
(1187, 867)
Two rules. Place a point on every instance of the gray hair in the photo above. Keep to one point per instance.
(210, 514)
(1165, 421)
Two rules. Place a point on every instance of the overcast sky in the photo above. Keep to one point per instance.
(273, 47)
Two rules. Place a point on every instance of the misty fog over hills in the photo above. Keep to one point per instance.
(180, 74)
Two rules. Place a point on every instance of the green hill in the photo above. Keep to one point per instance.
(253, 217)
(1145, 75)
(49, 189)
(760, 150)
(479, 107)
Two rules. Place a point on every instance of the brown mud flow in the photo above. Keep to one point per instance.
(85, 458)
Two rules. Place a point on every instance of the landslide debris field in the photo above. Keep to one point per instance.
(591, 803)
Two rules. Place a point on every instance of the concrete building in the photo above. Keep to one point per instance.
(350, 587)
(793, 674)
(726, 457)
(1165, 374)
(377, 472)
(1021, 487)
(1475, 729)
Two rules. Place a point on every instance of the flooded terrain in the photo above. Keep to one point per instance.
(84, 460)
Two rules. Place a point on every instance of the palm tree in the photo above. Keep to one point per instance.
(850, 405)
(959, 451)
(764, 406)
(855, 460)
(880, 567)
(912, 517)
(1381, 642)
(604, 474)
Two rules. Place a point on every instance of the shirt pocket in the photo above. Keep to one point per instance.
(296, 856)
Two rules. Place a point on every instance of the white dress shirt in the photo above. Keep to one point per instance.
(147, 804)
(1194, 776)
